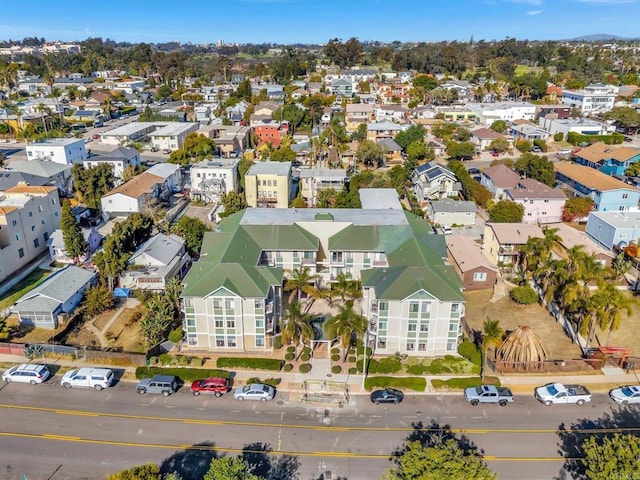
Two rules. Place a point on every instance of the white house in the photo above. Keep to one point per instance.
(487, 113)
(212, 178)
(594, 98)
(119, 159)
(172, 135)
(170, 173)
(583, 126)
(66, 151)
(133, 196)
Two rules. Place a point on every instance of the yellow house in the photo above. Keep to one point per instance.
(268, 185)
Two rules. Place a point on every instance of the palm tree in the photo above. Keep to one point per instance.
(297, 327)
(492, 337)
(611, 304)
(300, 281)
(316, 293)
(345, 325)
(522, 347)
(346, 288)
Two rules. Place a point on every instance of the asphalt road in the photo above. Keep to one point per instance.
(51, 433)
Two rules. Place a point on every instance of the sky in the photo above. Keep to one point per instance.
(316, 21)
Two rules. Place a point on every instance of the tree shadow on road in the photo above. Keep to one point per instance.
(262, 463)
(435, 434)
(193, 462)
(573, 436)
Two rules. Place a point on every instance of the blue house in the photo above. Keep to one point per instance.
(608, 193)
(609, 159)
(611, 229)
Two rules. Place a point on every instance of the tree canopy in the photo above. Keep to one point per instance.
(611, 457)
(92, 183)
(74, 243)
(192, 231)
(536, 167)
(506, 211)
(414, 133)
(232, 202)
(196, 147)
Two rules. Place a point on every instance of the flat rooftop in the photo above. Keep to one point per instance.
(131, 128)
(172, 129)
(379, 199)
(355, 216)
(218, 162)
(57, 142)
(270, 168)
(619, 219)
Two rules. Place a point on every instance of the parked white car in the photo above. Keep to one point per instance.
(97, 378)
(555, 393)
(27, 373)
(255, 391)
(625, 395)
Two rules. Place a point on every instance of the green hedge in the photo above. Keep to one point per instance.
(335, 358)
(411, 383)
(465, 382)
(575, 138)
(185, 374)
(471, 352)
(524, 295)
(384, 365)
(353, 370)
(250, 363)
(274, 382)
(448, 364)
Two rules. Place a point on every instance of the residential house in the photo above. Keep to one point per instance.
(140, 193)
(51, 173)
(376, 131)
(67, 151)
(462, 87)
(614, 229)
(499, 178)
(314, 87)
(487, 113)
(474, 269)
(28, 217)
(433, 181)
(392, 151)
(210, 179)
(357, 114)
(10, 179)
(342, 87)
(119, 158)
(47, 305)
(392, 113)
(501, 242)
(158, 260)
(452, 212)
(170, 173)
(394, 93)
(299, 94)
(609, 159)
(232, 300)
(131, 132)
(571, 237)
(357, 75)
(268, 184)
(271, 133)
(529, 131)
(172, 136)
(607, 193)
(202, 113)
(482, 138)
(593, 99)
(553, 111)
(542, 204)
(58, 253)
(266, 108)
(583, 126)
(457, 113)
(316, 179)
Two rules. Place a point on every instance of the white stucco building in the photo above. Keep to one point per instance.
(66, 151)
(594, 98)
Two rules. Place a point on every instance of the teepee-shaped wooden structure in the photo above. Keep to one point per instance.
(522, 350)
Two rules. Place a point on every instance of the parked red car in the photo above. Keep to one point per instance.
(215, 385)
(495, 153)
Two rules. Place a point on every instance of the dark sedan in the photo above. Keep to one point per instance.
(388, 395)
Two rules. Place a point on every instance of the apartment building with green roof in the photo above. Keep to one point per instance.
(412, 297)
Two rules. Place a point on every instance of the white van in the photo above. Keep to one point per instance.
(97, 378)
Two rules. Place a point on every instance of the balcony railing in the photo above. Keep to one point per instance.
(269, 307)
(308, 261)
(379, 263)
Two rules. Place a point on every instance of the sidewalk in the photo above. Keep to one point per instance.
(294, 382)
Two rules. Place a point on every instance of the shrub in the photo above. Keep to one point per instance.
(291, 349)
(288, 367)
(352, 351)
(185, 374)
(274, 382)
(418, 369)
(412, 383)
(153, 361)
(196, 361)
(305, 357)
(471, 352)
(175, 336)
(353, 370)
(250, 363)
(182, 360)
(336, 369)
(352, 359)
(385, 365)
(465, 382)
(306, 349)
(289, 356)
(335, 358)
(165, 358)
(305, 368)
(277, 343)
(524, 295)
(175, 361)
(366, 351)
(335, 350)
(558, 137)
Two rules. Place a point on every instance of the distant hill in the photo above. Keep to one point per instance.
(597, 37)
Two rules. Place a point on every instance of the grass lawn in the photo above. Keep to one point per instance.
(626, 335)
(27, 283)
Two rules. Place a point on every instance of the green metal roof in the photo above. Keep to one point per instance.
(398, 283)
(244, 280)
(281, 237)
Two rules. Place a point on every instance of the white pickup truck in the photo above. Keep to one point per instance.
(558, 393)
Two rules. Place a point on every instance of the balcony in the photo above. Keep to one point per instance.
(379, 263)
(269, 307)
(308, 261)
(374, 307)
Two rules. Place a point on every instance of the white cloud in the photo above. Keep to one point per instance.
(534, 12)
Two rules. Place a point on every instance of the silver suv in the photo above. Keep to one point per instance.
(160, 384)
(27, 373)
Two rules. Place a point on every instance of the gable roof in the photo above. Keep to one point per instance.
(590, 177)
(164, 170)
(485, 134)
(450, 205)
(10, 179)
(38, 167)
(137, 186)
(529, 188)
(389, 145)
(161, 247)
(515, 233)
(502, 176)
(599, 151)
(398, 283)
(466, 253)
(434, 170)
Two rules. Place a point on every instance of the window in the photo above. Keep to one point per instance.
(382, 343)
(46, 236)
(275, 183)
(422, 347)
(188, 302)
(33, 228)
(14, 223)
(413, 326)
(219, 324)
(191, 322)
(258, 304)
(217, 303)
(414, 307)
(383, 306)
(411, 346)
(231, 324)
(424, 327)
(479, 276)
(36, 242)
(259, 341)
(455, 307)
(231, 341)
(17, 237)
(625, 196)
(31, 214)
(259, 323)
(42, 221)
(219, 341)
(425, 307)
(21, 252)
(453, 327)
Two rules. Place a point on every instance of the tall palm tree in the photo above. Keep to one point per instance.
(522, 347)
(297, 327)
(612, 304)
(492, 337)
(346, 288)
(301, 281)
(345, 325)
